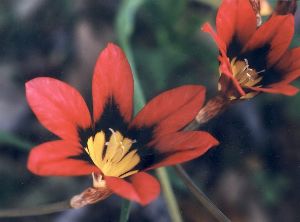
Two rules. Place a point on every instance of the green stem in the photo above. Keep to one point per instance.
(10, 139)
(169, 195)
(125, 210)
(161, 172)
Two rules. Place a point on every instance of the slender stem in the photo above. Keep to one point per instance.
(200, 196)
(214, 107)
(125, 210)
(36, 211)
(169, 195)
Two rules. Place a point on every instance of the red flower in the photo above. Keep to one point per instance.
(110, 146)
(252, 59)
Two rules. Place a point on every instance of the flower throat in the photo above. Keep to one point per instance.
(245, 75)
(113, 158)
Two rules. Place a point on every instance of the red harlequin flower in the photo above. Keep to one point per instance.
(110, 145)
(252, 59)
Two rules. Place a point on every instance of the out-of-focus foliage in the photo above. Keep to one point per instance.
(252, 176)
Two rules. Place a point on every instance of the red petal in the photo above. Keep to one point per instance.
(112, 80)
(171, 110)
(225, 67)
(289, 65)
(289, 62)
(142, 187)
(279, 88)
(183, 146)
(220, 42)
(278, 32)
(58, 106)
(53, 159)
(291, 76)
(232, 18)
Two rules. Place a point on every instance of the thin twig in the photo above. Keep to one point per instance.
(36, 211)
(201, 197)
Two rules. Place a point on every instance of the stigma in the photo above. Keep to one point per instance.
(114, 157)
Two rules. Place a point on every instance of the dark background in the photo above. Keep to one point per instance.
(252, 176)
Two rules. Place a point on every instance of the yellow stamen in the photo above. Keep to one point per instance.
(113, 158)
(246, 76)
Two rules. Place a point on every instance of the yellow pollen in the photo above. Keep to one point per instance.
(246, 76)
(113, 158)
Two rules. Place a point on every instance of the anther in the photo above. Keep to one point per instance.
(261, 71)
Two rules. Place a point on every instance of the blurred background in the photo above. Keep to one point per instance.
(252, 176)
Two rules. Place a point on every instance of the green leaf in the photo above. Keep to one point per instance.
(125, 19)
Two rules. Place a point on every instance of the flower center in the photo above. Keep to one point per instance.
(113, 158)
(246, 76)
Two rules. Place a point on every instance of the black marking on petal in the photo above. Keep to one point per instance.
(143, 136)
(111, 118)
(83, 156)
(84, 135)
(271, 76)
(234, 48)
(149, 156)
(257, 58)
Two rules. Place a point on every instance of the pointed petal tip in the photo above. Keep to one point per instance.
(32, 163)
(112, 79)
(183, 146)
(111, 46)
(206, 27)
(53, 102)
(279, 88)
(30, 83)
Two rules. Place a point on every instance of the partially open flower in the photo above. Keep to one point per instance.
(111, 146)
(252, 59)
